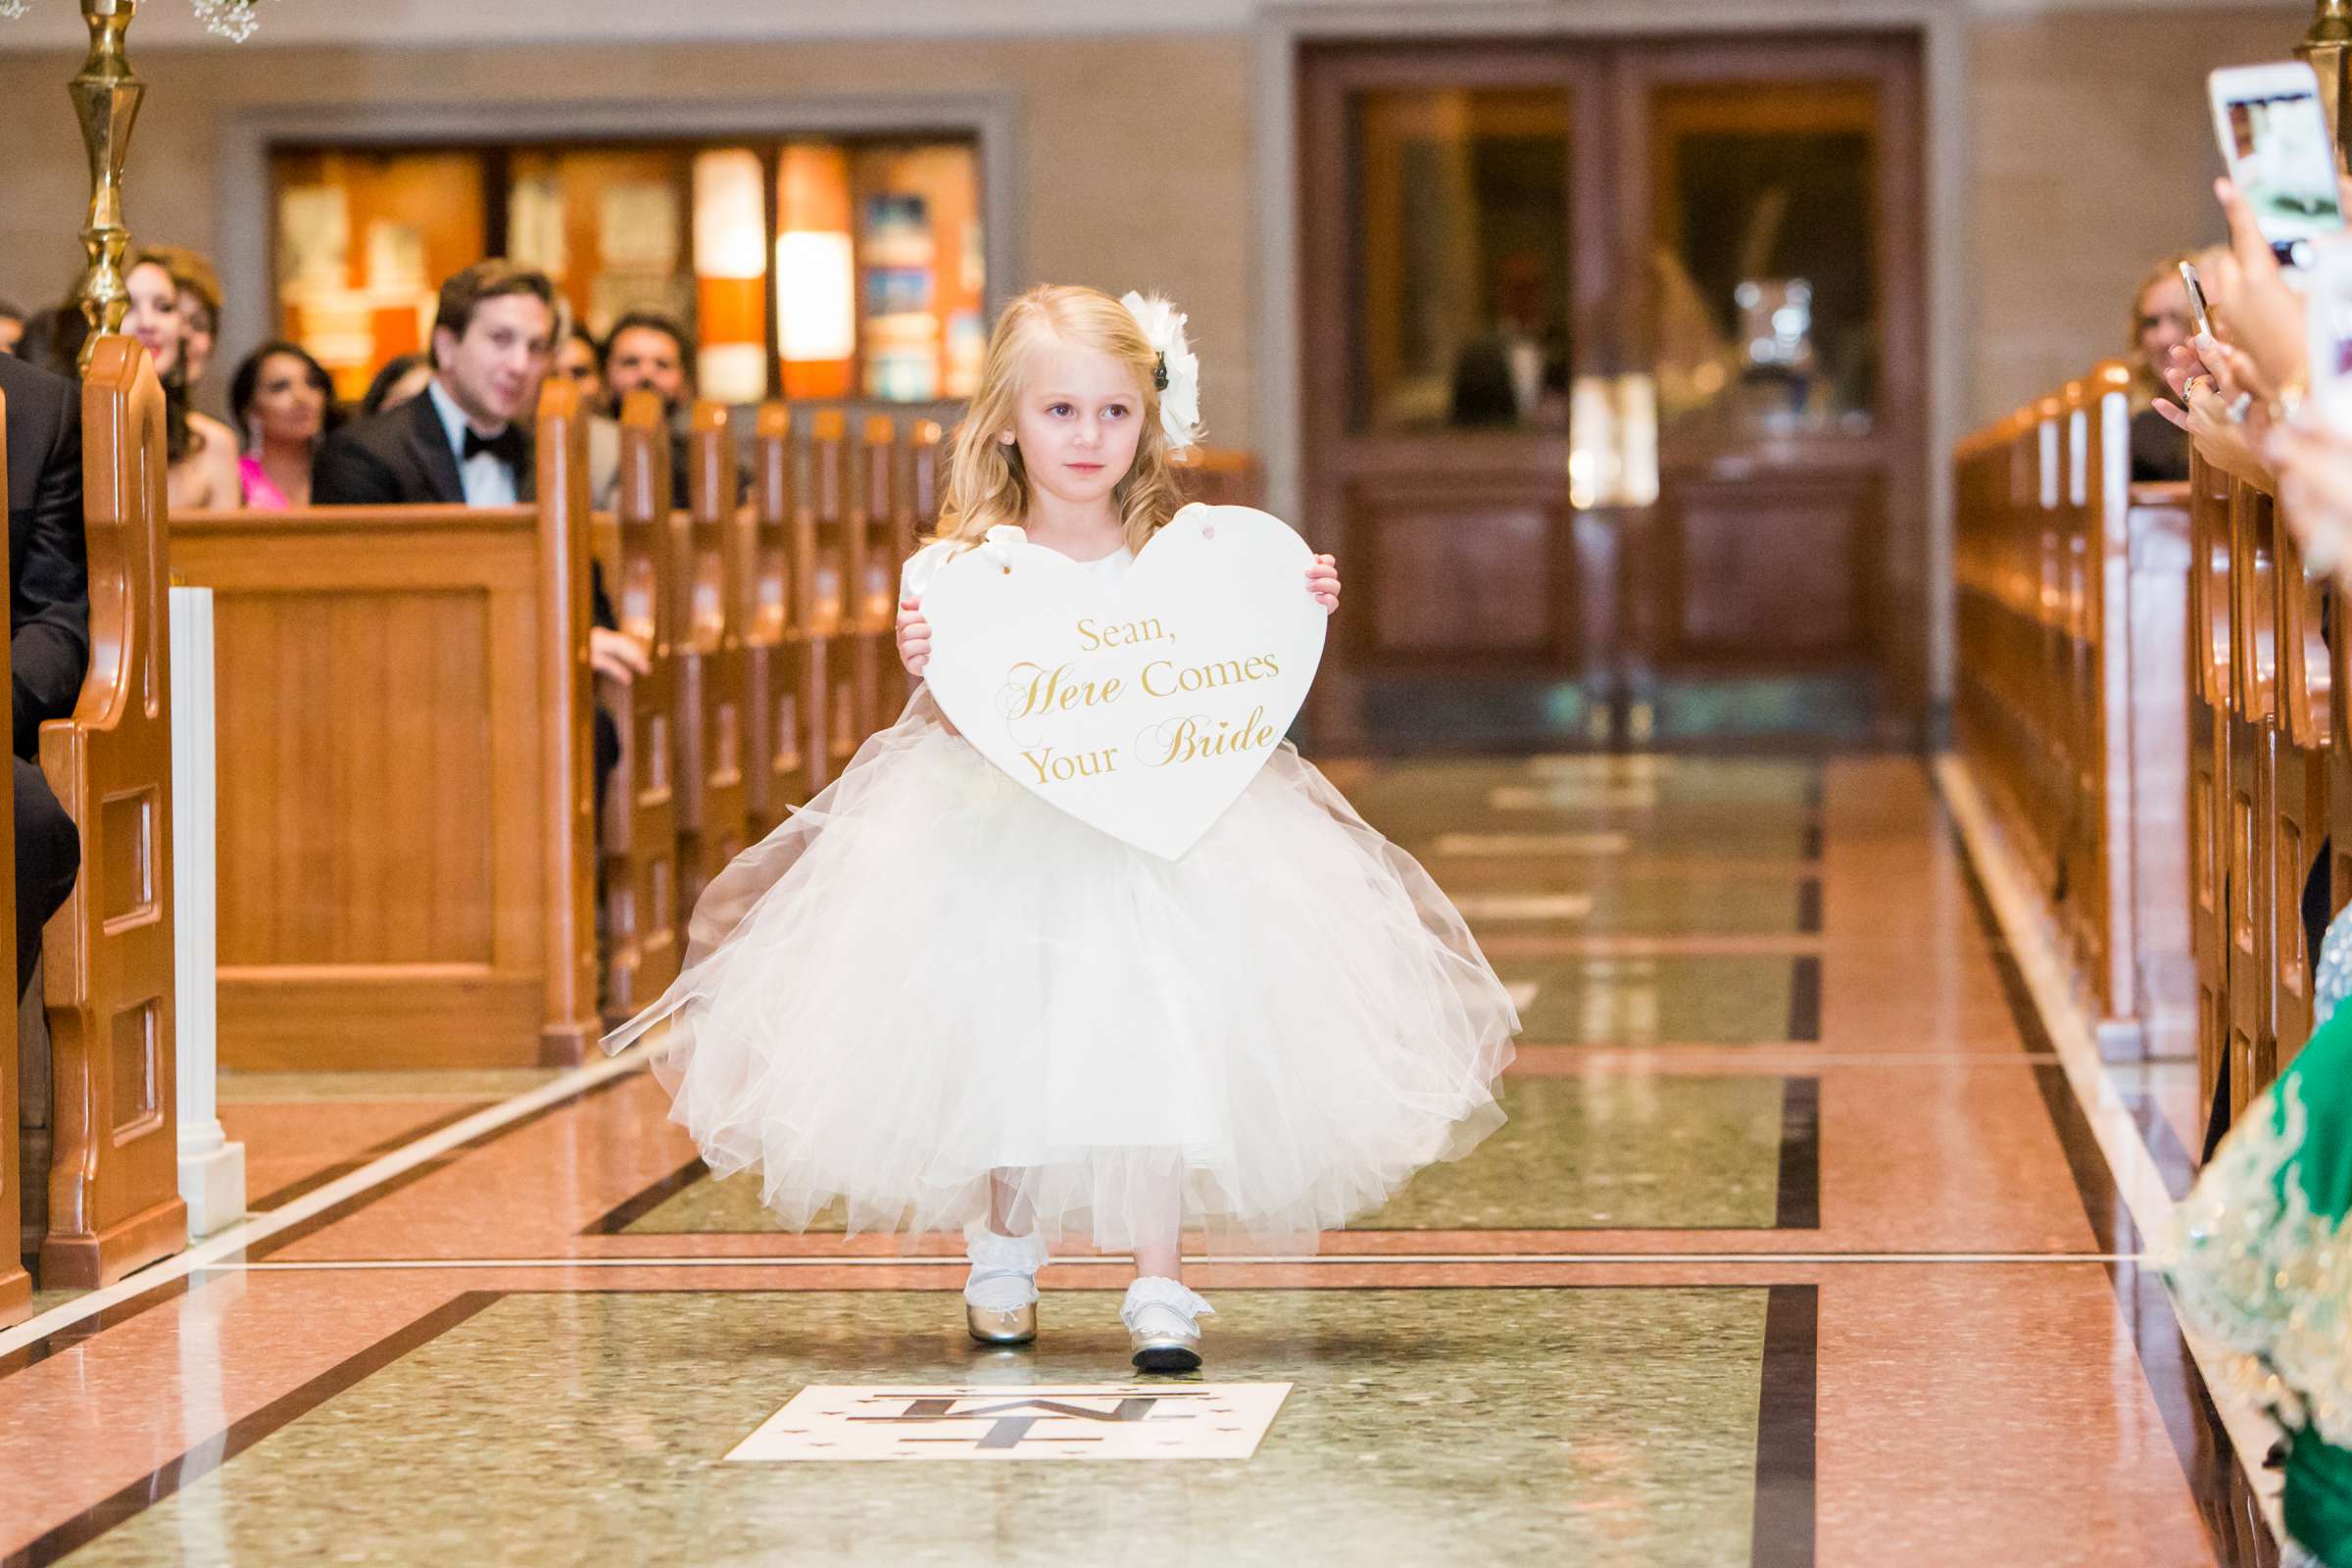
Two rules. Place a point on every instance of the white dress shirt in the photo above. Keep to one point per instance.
(488, 480)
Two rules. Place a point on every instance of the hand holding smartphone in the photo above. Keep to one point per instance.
(2274, 136)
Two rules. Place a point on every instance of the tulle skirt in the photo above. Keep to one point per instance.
(928, 977)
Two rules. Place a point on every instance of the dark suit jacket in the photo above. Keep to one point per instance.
(48, 557)
(402, 458)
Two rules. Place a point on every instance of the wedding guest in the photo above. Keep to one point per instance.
(199, 306)
(467, 439)
(403, 377)
(2161, 323)
(203, 452)
(644, 349)
(579, 357)
(52, 339)
(49, 628)
(648, 349)
(285, 401)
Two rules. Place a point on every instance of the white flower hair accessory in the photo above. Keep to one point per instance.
(1179, 376)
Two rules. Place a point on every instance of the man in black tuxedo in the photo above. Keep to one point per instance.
(49, 628)
(467, 439)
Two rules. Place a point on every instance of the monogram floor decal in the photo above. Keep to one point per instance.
(1053, 1421)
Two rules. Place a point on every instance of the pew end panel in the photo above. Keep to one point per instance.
(114, 1171)
(406, 833)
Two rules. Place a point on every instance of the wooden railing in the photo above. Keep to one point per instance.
(2070, 707)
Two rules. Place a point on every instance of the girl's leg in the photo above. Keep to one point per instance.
(1162, 1316)
(1000, 1295)
(1164, 1259)
(1009, 1210)
(1160, 1231)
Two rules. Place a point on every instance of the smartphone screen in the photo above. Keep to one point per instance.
(2274, 133)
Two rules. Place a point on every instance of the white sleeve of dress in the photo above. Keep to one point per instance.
(921, 566)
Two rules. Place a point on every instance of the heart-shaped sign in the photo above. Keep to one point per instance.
(1142, 706)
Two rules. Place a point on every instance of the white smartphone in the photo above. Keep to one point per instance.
(2197, 315)
(2274, 136)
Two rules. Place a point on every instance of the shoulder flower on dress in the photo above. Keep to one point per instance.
(998, 545)
(1179, 367)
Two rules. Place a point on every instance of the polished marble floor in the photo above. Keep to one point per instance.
(1798, 1248)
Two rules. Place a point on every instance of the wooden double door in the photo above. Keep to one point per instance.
(1615, 389)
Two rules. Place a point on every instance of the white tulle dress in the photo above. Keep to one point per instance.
(928, 975)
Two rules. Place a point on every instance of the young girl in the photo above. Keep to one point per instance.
(939, 999)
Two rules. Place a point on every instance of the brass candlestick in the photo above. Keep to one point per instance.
(2327, 49)
(106, 95)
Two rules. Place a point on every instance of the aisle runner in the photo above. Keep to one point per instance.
(1057, 1421)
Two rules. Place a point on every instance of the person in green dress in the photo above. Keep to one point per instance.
(2263, 1268)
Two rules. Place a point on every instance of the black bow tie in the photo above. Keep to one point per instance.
(506, 446)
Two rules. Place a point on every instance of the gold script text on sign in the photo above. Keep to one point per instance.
(1031, 688)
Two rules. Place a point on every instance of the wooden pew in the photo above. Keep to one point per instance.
(2303, 737)
(2267, 778)
(16, 1285)
(113, 1199)
(2210, 820)
(711, 679)
(780, 732)
(2255, 884)
(407, 835)
(832, 685)
(901, 499)
(642, 542)
(2070, 702)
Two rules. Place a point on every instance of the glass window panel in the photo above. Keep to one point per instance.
(1462, 259)
(623, 216)
(1766, 254)
(363, 240)
(918, 270)
(364, 237)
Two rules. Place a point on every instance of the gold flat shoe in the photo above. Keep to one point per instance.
(1163, 1324)
(1012, 1325)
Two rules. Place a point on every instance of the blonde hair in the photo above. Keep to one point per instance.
(2147, 384)
(987, 481)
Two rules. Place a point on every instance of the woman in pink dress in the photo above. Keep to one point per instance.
(284, 403)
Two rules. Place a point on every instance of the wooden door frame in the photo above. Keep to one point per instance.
(1284, 29)
(1893, 62)
(1330, 316)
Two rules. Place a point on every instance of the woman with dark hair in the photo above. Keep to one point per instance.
(403, 377)
(284, 403)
